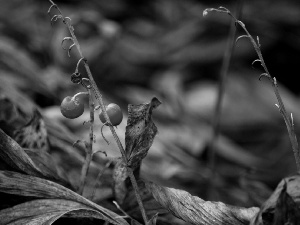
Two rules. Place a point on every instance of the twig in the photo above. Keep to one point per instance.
(98, 96)
(89, 147)
(288, 121)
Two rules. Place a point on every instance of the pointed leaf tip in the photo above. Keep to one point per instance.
(155, 102)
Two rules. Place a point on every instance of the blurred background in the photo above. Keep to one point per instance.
(166, 48)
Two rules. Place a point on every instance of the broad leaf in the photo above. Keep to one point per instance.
(45, 211)
(195, 210)
(15, 156)
(25, 185)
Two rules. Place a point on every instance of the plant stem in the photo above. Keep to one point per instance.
(288, 121)
(221, 89)
(137, 195)
(89, 147)
(282, 110)
(98, 96)
(218, 107)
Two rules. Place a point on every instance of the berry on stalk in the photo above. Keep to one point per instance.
(71, 107)
(114, 113)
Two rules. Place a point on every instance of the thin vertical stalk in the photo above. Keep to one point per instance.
(88, 147)
(221, 88)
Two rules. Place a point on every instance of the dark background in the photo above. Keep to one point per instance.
(140, 49)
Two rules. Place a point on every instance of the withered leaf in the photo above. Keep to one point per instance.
(140, 131)
(25, 185)
(33, 134)
(286, 211)
(195, 210)
(283, 205)
(139, 136)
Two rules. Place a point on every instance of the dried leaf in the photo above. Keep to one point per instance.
(139, 136)
(25, 185)
(44, 211)
(283, 205)
(33, 135)
(195, 210)
(286, 211)
(140, 131)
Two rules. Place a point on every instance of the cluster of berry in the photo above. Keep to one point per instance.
(73, 107)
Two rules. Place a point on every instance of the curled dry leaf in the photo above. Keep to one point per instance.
(140, 131)
(195, 210)
(139, 136)
(25, 185)
(283, 205)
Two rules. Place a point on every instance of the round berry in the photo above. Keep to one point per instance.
(71, 108)
(114, 113)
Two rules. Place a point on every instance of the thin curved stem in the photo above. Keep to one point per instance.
(221, 88)
(98, 96)
(89, 147)
(288, 121)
